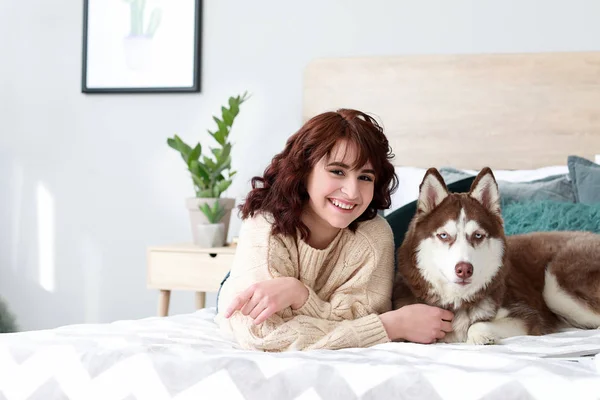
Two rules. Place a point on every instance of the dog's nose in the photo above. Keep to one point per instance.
(464, 270)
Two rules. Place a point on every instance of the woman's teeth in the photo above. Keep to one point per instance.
(342, 205)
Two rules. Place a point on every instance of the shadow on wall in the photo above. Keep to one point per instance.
(73, 239)
(33, 283)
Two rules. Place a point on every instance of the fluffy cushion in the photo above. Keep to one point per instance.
(525, 217)
(586, 179)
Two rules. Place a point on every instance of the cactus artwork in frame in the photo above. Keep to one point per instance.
(141, 46)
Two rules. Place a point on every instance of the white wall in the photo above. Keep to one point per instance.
(98, 164)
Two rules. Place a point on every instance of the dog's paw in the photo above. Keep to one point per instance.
(480, 333)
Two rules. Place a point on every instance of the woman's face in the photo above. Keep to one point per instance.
(338, 194)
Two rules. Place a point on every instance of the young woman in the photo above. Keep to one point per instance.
(314, 266)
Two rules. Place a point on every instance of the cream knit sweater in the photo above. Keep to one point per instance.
(349, 284)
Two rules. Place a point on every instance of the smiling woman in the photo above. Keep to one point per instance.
(314, 263)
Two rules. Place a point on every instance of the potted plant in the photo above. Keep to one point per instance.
(211, 234)
(211, 175)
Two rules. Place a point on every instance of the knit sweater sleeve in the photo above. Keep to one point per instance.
(307, 333)
(366, 278)
(261, 256)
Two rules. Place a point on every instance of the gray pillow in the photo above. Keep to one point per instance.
(586, 179)
(551, 188)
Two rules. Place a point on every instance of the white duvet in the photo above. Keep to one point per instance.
(186, 357)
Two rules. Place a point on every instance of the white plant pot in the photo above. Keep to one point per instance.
(210, 235)
(197, 217)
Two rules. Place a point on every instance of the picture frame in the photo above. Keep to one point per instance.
(141, 46)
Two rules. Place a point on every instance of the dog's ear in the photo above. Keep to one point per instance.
(485, 190)
(431, 191)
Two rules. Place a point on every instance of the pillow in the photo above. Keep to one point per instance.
(524, 175)
(411, 177)
(534, 216)
(585, 176)
(400, 219)
(554, 187)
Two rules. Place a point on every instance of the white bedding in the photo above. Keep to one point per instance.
(186, 357)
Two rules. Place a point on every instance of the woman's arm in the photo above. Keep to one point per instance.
(415, 323)
(263, 299)
(306, 333)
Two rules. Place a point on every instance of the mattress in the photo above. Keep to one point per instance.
(187, 357)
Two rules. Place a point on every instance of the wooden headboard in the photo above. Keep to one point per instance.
(508, 111)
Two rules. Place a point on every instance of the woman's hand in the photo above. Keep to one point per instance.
(417, 323)
(263, 299)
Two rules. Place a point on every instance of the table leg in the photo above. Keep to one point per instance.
(200, 300)
(163, 303)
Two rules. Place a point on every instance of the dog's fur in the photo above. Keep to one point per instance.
(531, 284)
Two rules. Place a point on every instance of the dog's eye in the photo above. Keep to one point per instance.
(443, 236)
(478, 235)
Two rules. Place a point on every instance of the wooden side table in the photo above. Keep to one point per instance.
(187, 267)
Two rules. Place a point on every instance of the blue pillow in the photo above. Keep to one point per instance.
(586, 179)
(539, 216)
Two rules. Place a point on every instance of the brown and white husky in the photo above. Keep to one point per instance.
(455, 256)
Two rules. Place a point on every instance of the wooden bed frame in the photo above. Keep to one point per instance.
(506, 111)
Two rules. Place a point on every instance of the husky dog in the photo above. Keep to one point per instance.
(456, 256)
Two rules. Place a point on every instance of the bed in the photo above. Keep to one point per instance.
(520, 113)
(185, 357)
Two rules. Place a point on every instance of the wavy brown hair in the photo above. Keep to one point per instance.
(281, 190)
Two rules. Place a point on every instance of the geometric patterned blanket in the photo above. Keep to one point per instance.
(186, 357)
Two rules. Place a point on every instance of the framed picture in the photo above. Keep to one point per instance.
(141, 46)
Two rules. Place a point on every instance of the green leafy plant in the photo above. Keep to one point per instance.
(212, 175)
(137, 8)
(214, 213)
(7, 318)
